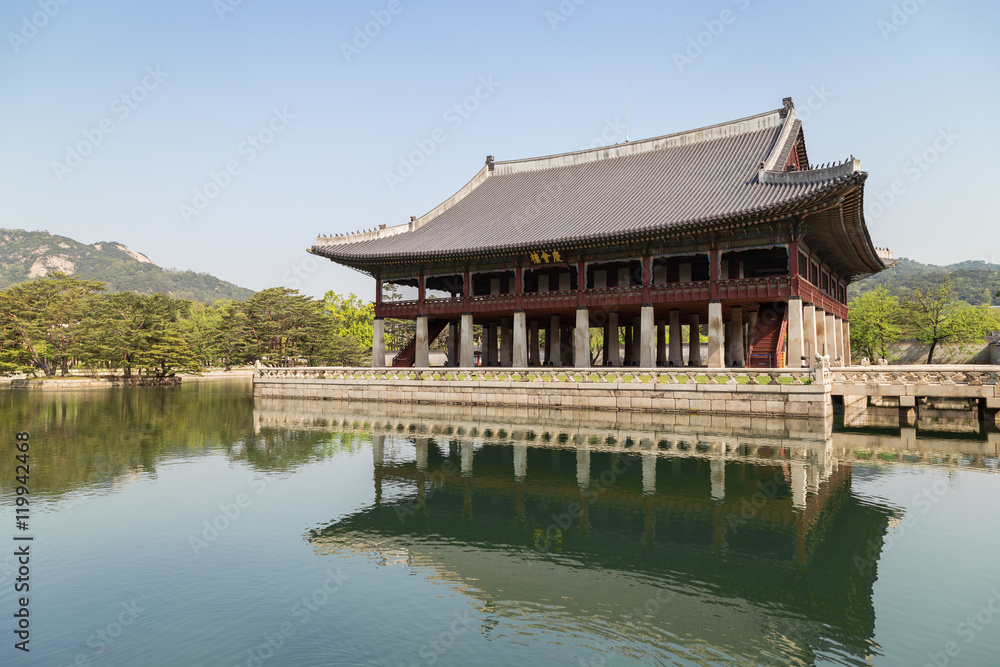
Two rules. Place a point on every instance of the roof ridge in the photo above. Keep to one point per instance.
(698, 135)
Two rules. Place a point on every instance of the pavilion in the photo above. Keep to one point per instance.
(728, 225)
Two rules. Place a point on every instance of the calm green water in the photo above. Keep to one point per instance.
(193, 527)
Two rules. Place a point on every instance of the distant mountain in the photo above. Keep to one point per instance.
(975, 282)
(25, 255)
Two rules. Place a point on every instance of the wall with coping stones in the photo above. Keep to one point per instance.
(93, 383)
(782, 400)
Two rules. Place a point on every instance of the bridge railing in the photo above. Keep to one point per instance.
(972, 376)
(697, 376)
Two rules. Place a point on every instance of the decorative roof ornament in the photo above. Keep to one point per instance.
(788, 106)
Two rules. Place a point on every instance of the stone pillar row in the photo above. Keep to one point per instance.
(514, 343)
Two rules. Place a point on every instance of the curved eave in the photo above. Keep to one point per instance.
(370, 263)
(843, 236)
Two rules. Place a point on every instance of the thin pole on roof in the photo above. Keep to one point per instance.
(626, 111)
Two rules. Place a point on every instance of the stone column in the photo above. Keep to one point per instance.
(614, 343)
(421, 445)
(583, 468)
(798, 485)
(694, 342)
(718, 474)
(796, 347)
(661, 343)
(520, 359)
(423, 353)
(648, 472)
(831, 336)
(647, 343)
(506, 348)
(820, 320)
(737, 353)
(467, 456)
(637, 340)
(716, 356)
(520, 462)
(534, 347)
(809, 348)
(378, 449)
(568, 345)
(581, 346)
(751, 328)
(452, 344)
(378, 344)
(553, 344)
(629, 347)
(838, 334)
(676, 339)
(468, 354)
(847, 343)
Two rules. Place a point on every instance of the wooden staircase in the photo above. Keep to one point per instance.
(768, 340)
(408, 355)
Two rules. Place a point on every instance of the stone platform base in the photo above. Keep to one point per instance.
(776, 400)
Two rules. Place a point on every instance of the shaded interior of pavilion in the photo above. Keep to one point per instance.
(672, 311)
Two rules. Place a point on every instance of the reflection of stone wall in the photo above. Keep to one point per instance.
(780, 400)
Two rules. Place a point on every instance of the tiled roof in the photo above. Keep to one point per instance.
(691, 178)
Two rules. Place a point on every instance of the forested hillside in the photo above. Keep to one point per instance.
(25, 255)
(976, 283)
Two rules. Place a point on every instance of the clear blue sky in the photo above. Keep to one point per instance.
(879, 79)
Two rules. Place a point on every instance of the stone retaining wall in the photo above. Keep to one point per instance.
(761, 400)
(93, 383)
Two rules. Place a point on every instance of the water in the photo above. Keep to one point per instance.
(193, 527)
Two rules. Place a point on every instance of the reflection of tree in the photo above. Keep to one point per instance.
(88, 439)
(285, 449)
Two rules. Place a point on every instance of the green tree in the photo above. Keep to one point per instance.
(935, 316)
(123, 329)
(202, 326)
(43, 317)
(169, 352)
(280, 326)
(875, 323)
(350, 328)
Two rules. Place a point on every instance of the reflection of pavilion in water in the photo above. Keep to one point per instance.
(745, 544)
